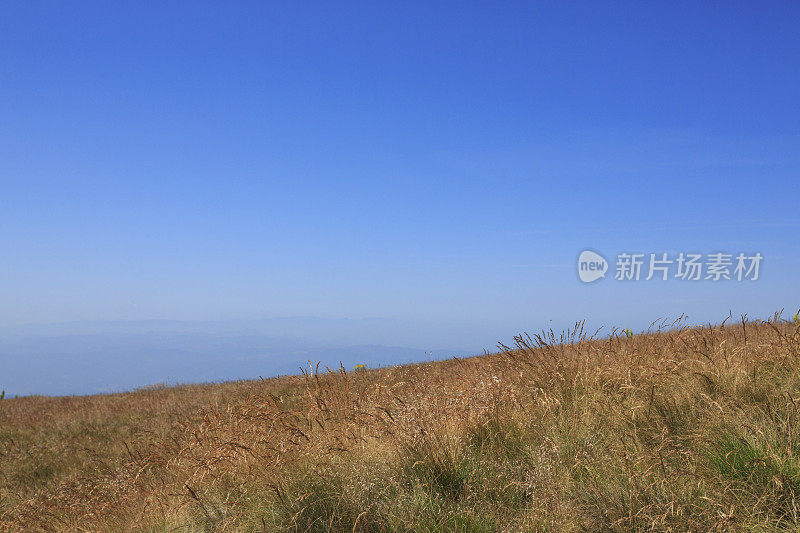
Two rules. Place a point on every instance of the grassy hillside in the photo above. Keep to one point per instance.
(683, 428)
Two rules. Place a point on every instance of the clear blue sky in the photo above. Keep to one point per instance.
(425, 160)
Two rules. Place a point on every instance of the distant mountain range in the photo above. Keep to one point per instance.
(110, 356)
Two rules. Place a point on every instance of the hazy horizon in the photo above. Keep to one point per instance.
(91, 357)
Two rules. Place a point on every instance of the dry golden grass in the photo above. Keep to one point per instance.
(682, 428)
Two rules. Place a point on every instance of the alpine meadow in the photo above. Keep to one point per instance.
(681, 427)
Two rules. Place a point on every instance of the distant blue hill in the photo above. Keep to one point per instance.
(88, 364)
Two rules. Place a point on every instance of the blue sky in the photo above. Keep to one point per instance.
(443, 162)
